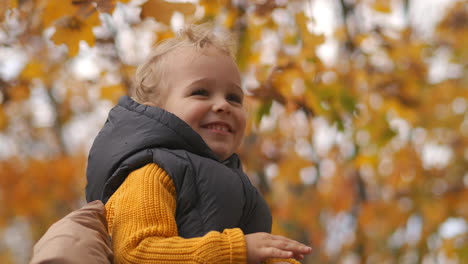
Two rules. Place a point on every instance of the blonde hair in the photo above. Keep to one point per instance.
(149, 77)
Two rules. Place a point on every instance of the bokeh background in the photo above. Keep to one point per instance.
(358, 109)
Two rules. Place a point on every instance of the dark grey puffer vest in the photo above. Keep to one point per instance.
(211, 195)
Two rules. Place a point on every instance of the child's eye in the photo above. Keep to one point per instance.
(234, 98)
(200, 91)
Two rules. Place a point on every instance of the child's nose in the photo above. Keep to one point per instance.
(221, 105)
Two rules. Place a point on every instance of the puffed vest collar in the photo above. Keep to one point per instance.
(211, 195)
(130, 128)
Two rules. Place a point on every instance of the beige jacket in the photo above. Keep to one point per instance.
(84, 231)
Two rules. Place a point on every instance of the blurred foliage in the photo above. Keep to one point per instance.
(365, 159)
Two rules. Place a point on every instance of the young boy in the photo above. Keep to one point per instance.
(165, 167)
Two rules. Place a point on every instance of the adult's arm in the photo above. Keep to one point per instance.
(79, 237)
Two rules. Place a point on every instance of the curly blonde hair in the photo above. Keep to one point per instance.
(149, 77)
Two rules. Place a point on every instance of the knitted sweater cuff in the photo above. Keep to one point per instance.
(232, 249)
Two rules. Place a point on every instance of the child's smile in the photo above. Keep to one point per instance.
(219, 127)
(203, 89)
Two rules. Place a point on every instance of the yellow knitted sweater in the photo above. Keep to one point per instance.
(141, 218)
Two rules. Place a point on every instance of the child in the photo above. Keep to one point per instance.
(165, 167)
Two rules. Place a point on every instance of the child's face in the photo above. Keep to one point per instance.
(203, 89)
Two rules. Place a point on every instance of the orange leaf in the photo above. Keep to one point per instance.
(33, 69)
(19, 91)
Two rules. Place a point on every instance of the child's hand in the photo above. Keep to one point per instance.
(261, 246)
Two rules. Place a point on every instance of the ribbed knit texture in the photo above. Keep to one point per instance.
(273, 261)
(141, 218)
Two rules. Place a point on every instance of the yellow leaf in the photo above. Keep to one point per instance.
(33, 69)
(245, 54)
(71, 30)
(309, 40)
(113, 92)
(55, 9)
(73, 20)
(162, 11)
(165, 35)
(284, 80)
(376, 221)
(231, 18)
(363, 160)
(212, 8)
(382, 6)
(290, 167)
(311, 96)
(3, 119)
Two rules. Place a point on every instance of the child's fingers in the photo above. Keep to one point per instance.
(281, 238)
(299, 256)
(261, 246)
(289, 245)
(272, 252)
